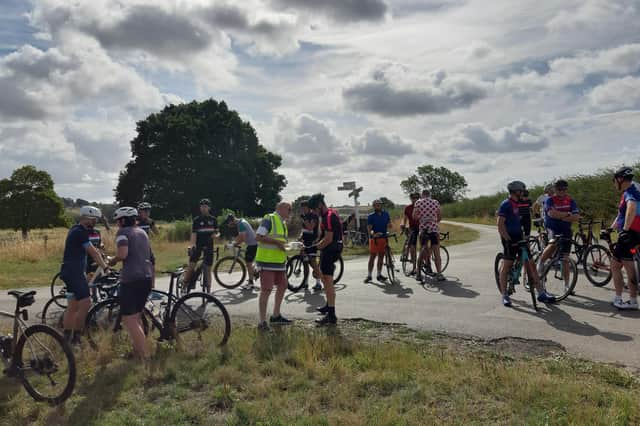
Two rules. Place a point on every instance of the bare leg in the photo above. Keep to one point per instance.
(437, 258)
(70, 314)
(632, 280)
(329, 290)
(380, 262)
(504, 273)
(616, 273)
(81, 315)
(280, 289)
(133, 324)
(372, 258)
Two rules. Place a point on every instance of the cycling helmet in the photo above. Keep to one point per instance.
(561, 184)
(90, 211)
(125, 212)
(144, 206)
(205, 202)
(230, 218)
(623, 172)
(516, 185)
(548, 188)
(414, 195)
(315, 200)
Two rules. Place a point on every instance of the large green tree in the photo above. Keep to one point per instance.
(446, 185)
(28, 201)
(201, 149)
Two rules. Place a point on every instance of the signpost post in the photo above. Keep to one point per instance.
(355, 193)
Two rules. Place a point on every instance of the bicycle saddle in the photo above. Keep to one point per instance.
(24, 299)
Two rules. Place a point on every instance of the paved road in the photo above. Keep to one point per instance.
(467, 303)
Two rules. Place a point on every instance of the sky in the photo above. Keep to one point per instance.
(344, 90)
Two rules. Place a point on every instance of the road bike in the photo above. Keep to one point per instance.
(197, 276)
(596, 259)
(193, 320)
(429, 268)
(513, 277)
(299, 266)
(555, 277)
(389, 258)
(37, 355)
(355, 238)
(583, 239)
(231, 271)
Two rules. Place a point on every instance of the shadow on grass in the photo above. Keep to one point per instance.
(8, 388)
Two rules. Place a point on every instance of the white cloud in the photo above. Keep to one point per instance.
(592, 14)
(476, 137)
(616, 95)
(381, 144)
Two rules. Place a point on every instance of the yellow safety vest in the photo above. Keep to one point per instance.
(268, 253)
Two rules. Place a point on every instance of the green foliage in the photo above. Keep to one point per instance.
(202, 149)
(28, 201)
(446, 185)
(181, 231)
(595, 195)
(387, 204)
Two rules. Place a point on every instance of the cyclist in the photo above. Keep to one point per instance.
(377, 224)
(524, 206)
(538, 206)
(331, 246)
(413, 229)
(309, 237)
(560, 212)
(427, 212)
(147, 224)
(272, 259)
(627, 223)
(73, 269)
(95, 238)
(202, 232)
(510, 230)
(246, 235)
(133, 249)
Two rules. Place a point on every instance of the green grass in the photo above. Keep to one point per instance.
(354, 375)
(482, 220)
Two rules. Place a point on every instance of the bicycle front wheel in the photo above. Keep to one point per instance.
(46, 363)
(560, 279)
(339, 270)
(497, 267)
(391, 267)
(103, 326)
(405, 260)
(58, 287)
(201, 322)
(53, 311)
(297, 273)
(230, 272)
(444, 259)
(596, 263)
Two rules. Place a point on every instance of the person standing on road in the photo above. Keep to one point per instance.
(510, 230)
(271, 258)
(331, 246)
(147, 224)
(246, 235)
(134, 251)
(627, 223)
(524, 206)
(413, 229)
(377, 223)
(310, 232)
(203, 231)
(427, 212)
(72, 272)
(538, 206)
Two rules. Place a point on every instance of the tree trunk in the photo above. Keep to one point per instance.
(25, 233)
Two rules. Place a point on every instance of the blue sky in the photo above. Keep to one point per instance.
(362, 90)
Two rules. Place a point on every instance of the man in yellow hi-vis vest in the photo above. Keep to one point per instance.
(271, 258)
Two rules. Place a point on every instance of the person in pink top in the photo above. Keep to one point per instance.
(427, 212)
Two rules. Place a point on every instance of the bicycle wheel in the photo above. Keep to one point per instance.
(201, 322)
(497, 266)
(53, 312)
(534, 248)
(297, 272)
(58, 287)
(390, 264)
(531, 287)
(553, 278)
(337, 274)
(444, 259)
(230, 272)
(46, 364)
(405, 259)
(104, 326)
(596, 263)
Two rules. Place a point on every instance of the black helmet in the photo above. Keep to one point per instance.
(144, 206)
(561, 184)
(304, 203)
(205, 202)
(314, 201)
(623, 172)
(414, 195)
(516, 185)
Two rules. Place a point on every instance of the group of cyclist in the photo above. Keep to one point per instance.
(558, 212)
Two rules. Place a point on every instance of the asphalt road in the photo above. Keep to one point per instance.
(467, 303)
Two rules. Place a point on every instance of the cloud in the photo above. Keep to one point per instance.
(339, 10)
(592, 14)
(520, 137)
(390, 92)
(376, 142)
(616, 95)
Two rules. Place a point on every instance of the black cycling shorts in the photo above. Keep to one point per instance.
(199, 251)
(328, 259)
(133, 296)
(564, 244)
(511, 249)
(77, 286)
(413, 236)
(250, 253)
(432, 237)
(623, 251)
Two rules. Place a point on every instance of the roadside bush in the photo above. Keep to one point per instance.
(180, 231)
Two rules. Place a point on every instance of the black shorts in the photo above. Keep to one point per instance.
(133, 296)
(526, 225)
(432, 237)
(250, 253)
(623, 251)
(199, 251)
(77, 286)
(152, 258)
(564, 244)
(413, 236)
(511, 249)
(328, 259)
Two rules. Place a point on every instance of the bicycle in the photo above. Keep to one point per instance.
(596, 260)
(187, 319)
(389, 260)
(513, 277)
(583, 240)
(197, 276)
(355, 238)
(553, 273)
(298, 267)
(427, 269)
(37, 355)
(231, 271)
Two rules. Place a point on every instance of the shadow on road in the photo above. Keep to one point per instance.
(393, 289)
(235, 297)
(314, 299)
(451, 287)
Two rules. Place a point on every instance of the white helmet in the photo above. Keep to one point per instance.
(90, 211)
(125, 212)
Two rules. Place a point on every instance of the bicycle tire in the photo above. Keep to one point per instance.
(444, 259)
(405, 259)
(58, 287)
(189, 325)
(297, 272)
(531, 288)
(496, 269)
(227, 275)
(390, 264)
(45, 362)
(104, 317)
(557, 282)
(596, 264)
(339, 270)
(51, 313)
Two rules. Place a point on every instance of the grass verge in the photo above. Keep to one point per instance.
(482, 220)
(360, 373)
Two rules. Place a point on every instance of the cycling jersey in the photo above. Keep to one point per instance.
(511, 212)
(630, 194)
(249, 233)
(74, 260)
(94, 237)
(564, 204)
(379, 221)
(331, 223)
(428, 209)
(204, 227)
(137, 265)
(146, 225)
(309, 228)
(408, 212)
